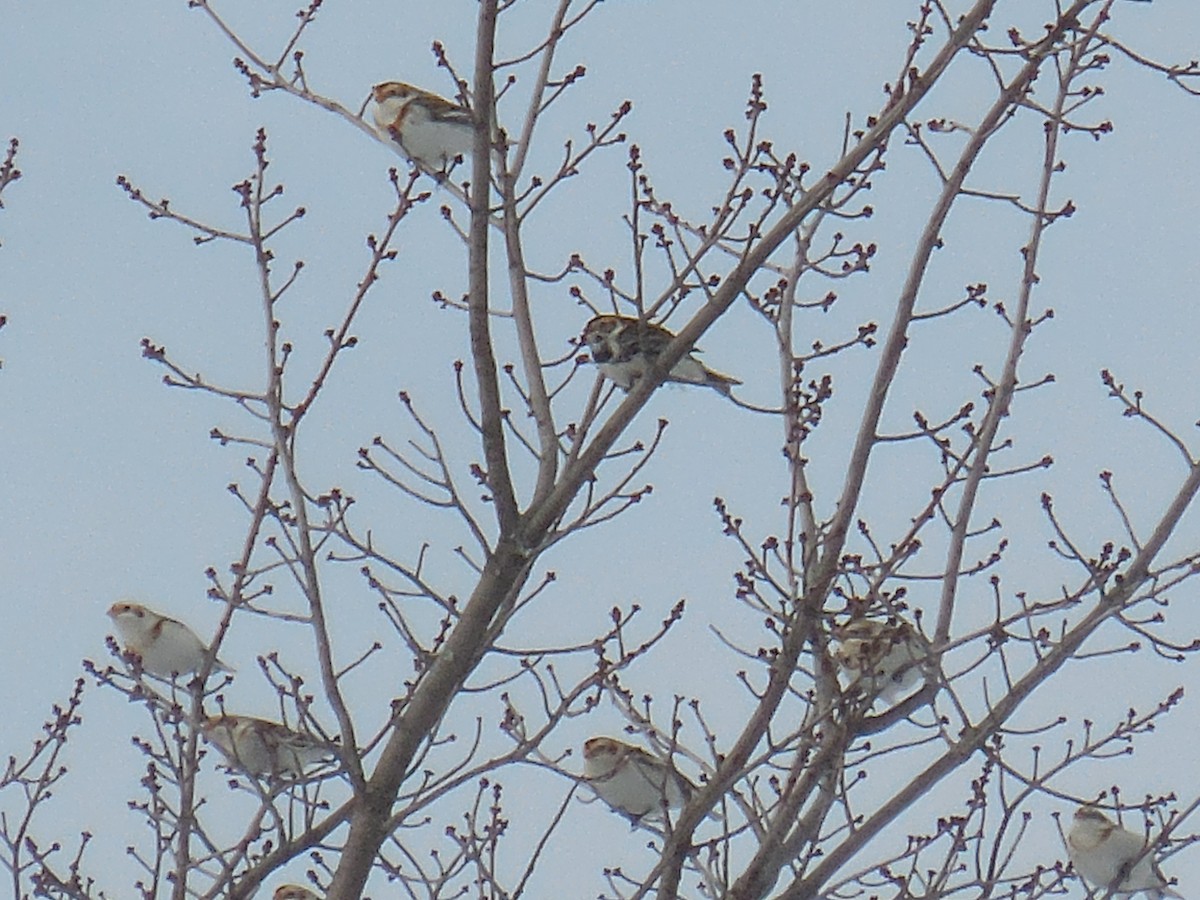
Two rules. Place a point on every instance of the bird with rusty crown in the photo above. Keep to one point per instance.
(293, 892)
(260, 747)
(430, 130)
(1113, 860)
(624, 348)
(884, 659)
(162, 646)
(632, 781)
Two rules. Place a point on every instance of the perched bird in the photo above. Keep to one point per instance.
(293, 892)
(429, 129)
(624, 347)
(632, 781)
(884, 658)
(1103, 854)
(164, 647)
(263, 748)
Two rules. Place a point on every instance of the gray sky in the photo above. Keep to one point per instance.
(114, 489)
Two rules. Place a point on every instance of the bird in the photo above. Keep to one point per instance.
(430, 130)
(624, 348)
(293, 892)
(260, 747)
(884, 658)
(632, 781)
(163, 646)
(1104, 855)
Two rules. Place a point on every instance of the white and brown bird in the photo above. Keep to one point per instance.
(428, 129)
(163, 646)
(293, 892)
(884, 659)
(260, 747)
(1113, 859)
(632, 781)
(624, 347)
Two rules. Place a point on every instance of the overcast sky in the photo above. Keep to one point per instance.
(112, 487)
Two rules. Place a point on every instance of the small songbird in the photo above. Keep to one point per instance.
(632, 781)
(263, 748)
(883, 658)
(430, 130)
(293, 892)
(624, 347)
(165, 647)
(1103, 854)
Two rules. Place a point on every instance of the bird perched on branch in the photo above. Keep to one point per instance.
(162, 646)
(263, 748)
(1112, 858)
(883, 658)
(293, 892)
(632, 781)
(624, 347)
(428, 129)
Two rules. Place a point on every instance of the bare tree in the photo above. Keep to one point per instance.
(848, 677)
